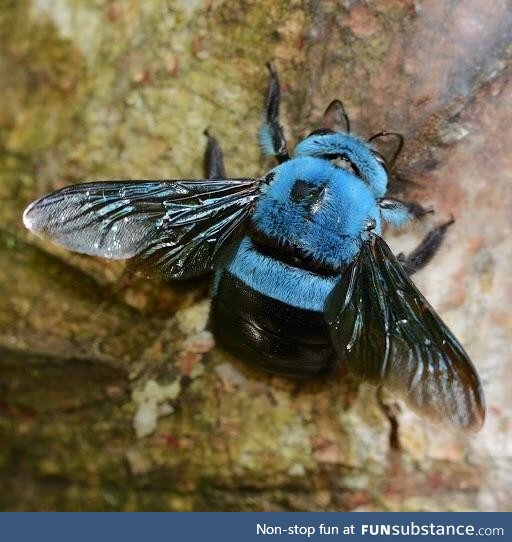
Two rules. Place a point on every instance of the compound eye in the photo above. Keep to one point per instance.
(381, 160)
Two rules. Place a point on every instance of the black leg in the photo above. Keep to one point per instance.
(425, 251)
(399, 213)
(396, 211)
(213, 159)
(416, 209)
(271, 134)
(391, 411)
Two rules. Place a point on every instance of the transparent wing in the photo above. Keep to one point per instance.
(386, 332)
(175, 227)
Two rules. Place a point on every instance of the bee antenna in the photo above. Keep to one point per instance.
(400, 138)
(334, 115)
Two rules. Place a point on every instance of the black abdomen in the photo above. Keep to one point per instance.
(277, 337)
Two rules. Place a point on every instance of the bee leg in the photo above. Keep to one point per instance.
(271, 136)
(399, 213)
(426, 250)
(213, 161)
(391, 411)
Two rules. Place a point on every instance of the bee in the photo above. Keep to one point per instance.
(303, 282)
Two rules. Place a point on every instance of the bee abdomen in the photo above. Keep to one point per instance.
(277, 337)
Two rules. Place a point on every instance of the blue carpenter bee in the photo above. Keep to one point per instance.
(303, 282)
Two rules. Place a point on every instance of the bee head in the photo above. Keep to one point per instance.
(350, 153)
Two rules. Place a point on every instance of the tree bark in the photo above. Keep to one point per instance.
(112, 397)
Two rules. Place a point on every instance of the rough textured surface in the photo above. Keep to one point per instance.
(111, 396)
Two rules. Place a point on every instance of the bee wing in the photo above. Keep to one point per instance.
(387, 333)
(175, 227)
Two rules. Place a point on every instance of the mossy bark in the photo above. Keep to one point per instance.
(111, 395)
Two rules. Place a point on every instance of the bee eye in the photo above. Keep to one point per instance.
(381, 160)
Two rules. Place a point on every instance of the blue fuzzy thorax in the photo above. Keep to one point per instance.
(330, 227)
